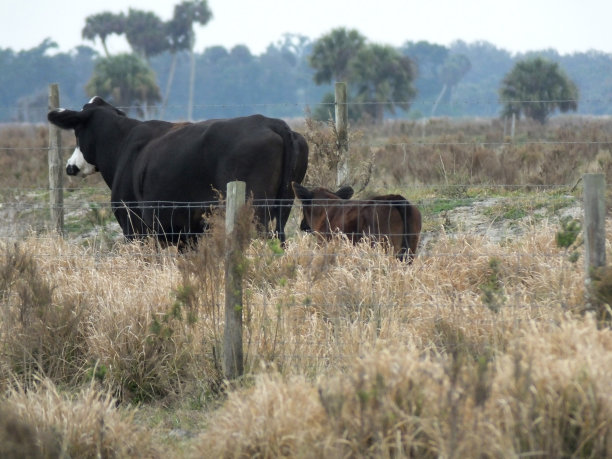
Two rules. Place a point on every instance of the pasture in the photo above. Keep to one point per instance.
(484, 347)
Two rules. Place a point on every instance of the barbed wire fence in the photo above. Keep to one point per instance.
(341, 114)
(341, 105)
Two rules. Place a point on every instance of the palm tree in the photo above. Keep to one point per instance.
(181, 37)
(186, 14)
(145, 32)
(332, 53)
(537, 87)
(102, 25)
(125, 80)
(178, 40)
(452, 71)
(382, 79)
(429, 58)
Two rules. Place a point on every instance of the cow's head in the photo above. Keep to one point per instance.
(83, 161)
(315, 203)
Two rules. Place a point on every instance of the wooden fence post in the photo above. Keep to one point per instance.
(232, 337)
(342, 130)
(594, 224)
(56, 175)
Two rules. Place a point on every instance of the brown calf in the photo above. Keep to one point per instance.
(389, 217)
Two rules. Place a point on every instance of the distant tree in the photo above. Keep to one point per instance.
(180, 34)
(480, 86)
(28, 105)
(429, 59)
(452, 71)
(127, 81)
(240, 54)
(332, 53)
(214, 54)
(294, 47)
(102, 25)
(186, 14)
(285, 75)
(26, 74)
(24, 77)
(324, 111)
(146, 33)
(592, 73)
(178, 40)
(536, 87)
(382, 79)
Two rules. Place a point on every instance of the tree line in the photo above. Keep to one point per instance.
(165, 77)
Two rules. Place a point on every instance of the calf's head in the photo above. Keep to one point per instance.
(315, 204)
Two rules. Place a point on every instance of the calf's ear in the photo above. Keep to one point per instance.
(301, 192)
(346, 192)
(65, 119)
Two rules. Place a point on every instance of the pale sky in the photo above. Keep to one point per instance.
(516, 26)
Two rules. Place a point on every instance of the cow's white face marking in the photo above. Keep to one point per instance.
(77, 160)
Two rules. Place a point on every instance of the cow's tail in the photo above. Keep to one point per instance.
(285, 193)
(411, 222)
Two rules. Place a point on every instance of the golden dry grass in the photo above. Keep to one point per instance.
(84, 424)
(348, 351)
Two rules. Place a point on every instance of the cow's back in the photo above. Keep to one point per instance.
(204, 157)
(194, 162)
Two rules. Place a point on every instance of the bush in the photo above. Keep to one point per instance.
(39, 332)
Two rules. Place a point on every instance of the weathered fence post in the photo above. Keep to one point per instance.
(232, 337)
(594, 224)
(56, 188)
(342, 130)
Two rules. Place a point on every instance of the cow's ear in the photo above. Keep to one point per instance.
(346, 192)
(65, 119)
(98, 101)
(301, 192)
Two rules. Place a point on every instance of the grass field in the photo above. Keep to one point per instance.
(485, 347)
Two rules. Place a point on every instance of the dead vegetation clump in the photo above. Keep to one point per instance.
(23, 155)
(39, 332)
(326, 156)
(276, 417)
(538, 397)
(42, 422)
(117, 318)
(347, 350)
(454, 152)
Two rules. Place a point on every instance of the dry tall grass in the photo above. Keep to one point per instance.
(348, 351)
(43, 422)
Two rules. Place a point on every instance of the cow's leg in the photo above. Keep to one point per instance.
(130, 221)
(282, 215)
(284, 205)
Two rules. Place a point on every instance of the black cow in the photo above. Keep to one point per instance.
(163, 176)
